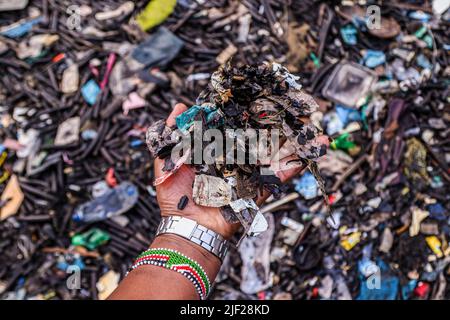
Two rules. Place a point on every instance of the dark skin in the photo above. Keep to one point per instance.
(155, 283)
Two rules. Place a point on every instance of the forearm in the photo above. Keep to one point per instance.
(153, 282)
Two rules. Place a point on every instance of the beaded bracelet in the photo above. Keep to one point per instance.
(176, 261)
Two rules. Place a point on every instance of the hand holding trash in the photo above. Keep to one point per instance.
(170, 193)
(254, 98)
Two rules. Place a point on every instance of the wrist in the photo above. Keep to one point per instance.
(209, 262)
(214, 222)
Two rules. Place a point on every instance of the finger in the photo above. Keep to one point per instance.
(288, 174)
(157, 166)
(266, 194)
(177, 110)
(323, 139)
(284, 175)
(289, 171)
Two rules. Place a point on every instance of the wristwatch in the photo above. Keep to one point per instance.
(192, 231)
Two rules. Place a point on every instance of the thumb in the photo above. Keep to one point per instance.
(177, 110)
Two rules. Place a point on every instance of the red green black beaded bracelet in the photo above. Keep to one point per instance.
(176, 261)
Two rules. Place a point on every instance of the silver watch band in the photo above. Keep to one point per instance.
(191, 230)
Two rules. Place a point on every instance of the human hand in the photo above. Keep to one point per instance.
(180, 184)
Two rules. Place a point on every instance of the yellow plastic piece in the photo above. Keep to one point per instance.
(350, 241)
(155, 13)
(435, 245)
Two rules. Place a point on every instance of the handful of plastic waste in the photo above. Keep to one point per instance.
(237, 137)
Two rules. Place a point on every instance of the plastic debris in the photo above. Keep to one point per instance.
(390, 156)
(19, 28)
(387, 240)
(351, 240)
(348, 34)
(16, 5)
(307, 186)
(68, 132)
(381, 286)
(107, 284)
(91, 239)
(418, 216)
(255, 260)
(155, 13)
(123, 10)
(348, 84)
(211, 191)
(435, 245)
(90, 91)
(70, 79)
(112, 203)
(373, 58)
(12, 197)
(33, 47)
(293, 230)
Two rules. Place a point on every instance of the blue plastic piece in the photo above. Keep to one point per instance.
(90, 91)
(21, 29)
(20, 282)
(423, 62)
(408, 289)
(307, 186)
(112, 203)
(63, 265)
(136, 143)
(89, 134)
(437, 211)
(347, 115)
(348, 34)
(159, 49)
(387, 290)
(419, 15)
(360, 22)
(373, 58)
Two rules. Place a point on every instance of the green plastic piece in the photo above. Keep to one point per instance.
(343, 142)
(428, 40)
(185, 120)
(155, 13)
(91, 239)
(364, 116)
(421, 32)
(315, 59)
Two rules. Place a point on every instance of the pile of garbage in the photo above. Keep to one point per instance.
(82, 81)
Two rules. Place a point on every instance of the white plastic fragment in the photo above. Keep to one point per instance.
(68, 132)
(418, 215)
(211, 191)
(387, 240)
(107, 284)
(258, 226)
(124, 9)
(70, 79)
(255, 255)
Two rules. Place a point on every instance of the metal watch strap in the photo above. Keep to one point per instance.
(191, 230)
